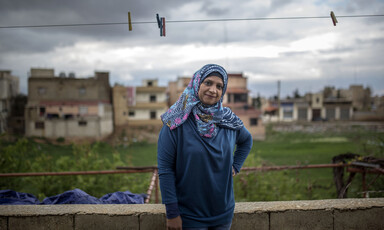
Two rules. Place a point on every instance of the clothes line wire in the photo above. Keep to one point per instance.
(185, 21)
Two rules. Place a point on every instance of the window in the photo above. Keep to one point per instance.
(82, 91)
(240, 97)
(68, 116)
(41, 90)
(82, 123)
(152, 114)
(52, 116)
(131, 113)
(330, 113)
(253, 121)
(302, 114)
(149, 83)
(152, 98)
(288, 113)
(39, 125)
(42, 111)
(83, 110)
(344, 114)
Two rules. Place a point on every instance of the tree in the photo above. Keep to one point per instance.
(296, 93)
(257, 101)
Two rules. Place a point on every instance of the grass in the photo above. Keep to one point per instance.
(277, 149)
(139, 154)
(299, 148)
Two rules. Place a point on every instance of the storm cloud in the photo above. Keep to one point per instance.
(303, 54)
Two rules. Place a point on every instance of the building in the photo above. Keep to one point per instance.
(137, 110)
(176, 88)
(68, 107)
(237, 98)
(16, 120)
(357, 94)
(9, 89)
(315, 107)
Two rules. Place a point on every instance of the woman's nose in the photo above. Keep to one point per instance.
(212, 89)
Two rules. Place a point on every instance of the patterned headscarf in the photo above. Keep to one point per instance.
(207, 117)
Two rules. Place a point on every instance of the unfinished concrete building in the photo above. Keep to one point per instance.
(69, 107)
(137, 110)
(9, 89)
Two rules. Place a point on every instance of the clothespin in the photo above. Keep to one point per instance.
(161, 25)
(334, 20)
(162, 32)
(129, 21)
(158, 21)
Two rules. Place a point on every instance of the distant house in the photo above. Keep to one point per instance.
(176, 88)
(141, 105)
(311, 107)
(138, 109)
(60, 106)
(237, 98)
(9, 89)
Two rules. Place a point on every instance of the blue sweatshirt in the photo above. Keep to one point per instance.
(196, 172)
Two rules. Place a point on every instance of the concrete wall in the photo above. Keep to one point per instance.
(317, 214)
(95, 127)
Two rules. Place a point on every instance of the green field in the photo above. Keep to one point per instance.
(40, 155)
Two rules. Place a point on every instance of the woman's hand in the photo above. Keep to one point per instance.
(233, 171)
(174, 223)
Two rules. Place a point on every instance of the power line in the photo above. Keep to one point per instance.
(184, 21)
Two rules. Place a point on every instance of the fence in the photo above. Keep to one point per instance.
(352, 168)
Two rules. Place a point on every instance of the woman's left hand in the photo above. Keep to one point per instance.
(233, 171)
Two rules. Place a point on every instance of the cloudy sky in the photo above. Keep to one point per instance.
(305, 54)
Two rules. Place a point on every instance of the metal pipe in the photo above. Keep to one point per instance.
(276, 168)
(151, 186)
(358, 170)
(122, 169)
(157, 189)
(137, 167)
(73, 173)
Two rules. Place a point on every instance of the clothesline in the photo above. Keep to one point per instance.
(185, 21)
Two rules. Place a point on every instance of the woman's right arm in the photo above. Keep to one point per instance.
(166, 160)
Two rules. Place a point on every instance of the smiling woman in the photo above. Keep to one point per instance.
(196, 155)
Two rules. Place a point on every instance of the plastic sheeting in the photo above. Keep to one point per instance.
(76, 196)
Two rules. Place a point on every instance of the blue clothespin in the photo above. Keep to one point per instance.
(161, 25)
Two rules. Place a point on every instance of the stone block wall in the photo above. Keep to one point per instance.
(316, 214)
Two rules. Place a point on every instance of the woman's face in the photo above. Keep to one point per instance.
(210, 90)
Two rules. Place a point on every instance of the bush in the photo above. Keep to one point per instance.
(25, 156)
(60, 140)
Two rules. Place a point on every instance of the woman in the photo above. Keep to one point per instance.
(196, 157)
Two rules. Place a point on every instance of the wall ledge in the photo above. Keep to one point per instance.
(307, 214)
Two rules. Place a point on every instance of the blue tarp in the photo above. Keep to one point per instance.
(76, 196)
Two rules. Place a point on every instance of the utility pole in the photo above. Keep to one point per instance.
(278, 99)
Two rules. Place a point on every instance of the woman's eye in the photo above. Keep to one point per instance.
(208, 83)
(219, 87)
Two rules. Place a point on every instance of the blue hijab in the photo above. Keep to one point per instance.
(207, 118)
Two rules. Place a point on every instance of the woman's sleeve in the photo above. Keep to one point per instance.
(243, 147)
(166, 158)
